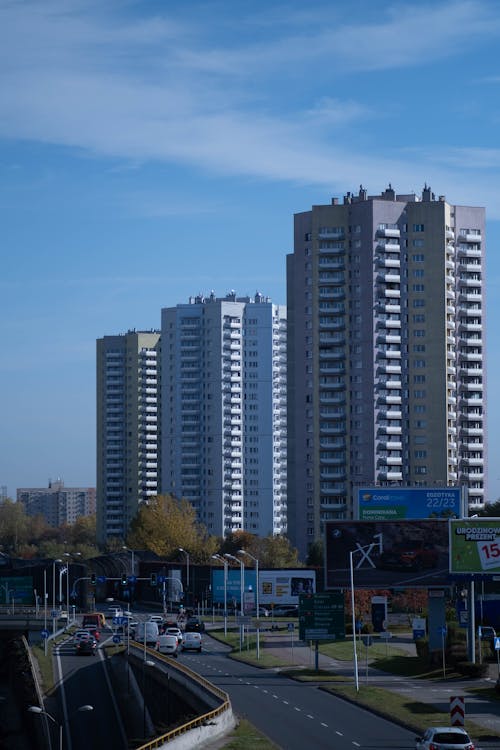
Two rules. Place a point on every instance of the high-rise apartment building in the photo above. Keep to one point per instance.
(224, 411)
(56, 503)
(127, 428)
(386, 379)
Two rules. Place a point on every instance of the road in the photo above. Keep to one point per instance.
(292, 714)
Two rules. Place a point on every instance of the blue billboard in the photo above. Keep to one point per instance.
(398, 503)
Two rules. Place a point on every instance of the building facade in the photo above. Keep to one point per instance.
(224, 411)
(386, 378)
(58, 504)
(128, 437)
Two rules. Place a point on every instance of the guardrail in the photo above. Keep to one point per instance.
(200, 721)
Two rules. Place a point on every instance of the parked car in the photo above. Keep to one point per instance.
(86, 646)
(414, 555)
(194, 625)
(192, 642)
(488, 633)
(168, 644)
(444, 738)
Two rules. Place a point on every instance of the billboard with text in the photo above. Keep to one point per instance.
(410, 554)
(475, 546)
(396, 503)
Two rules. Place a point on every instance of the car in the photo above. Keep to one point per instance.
(192, 642)
(92, 629)
(487, 633)
(79, 634)
(290, 610)
(175, 631)
(156, 618)
(86, 646)
(194, 625)
(412, 555)
(168, 644)
(115, 611)
(444, 738)
(263, 612)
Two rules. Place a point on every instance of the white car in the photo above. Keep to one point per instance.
(175, 631)
(444, 738)
(156, 618)
(168, 644)
(192, 641)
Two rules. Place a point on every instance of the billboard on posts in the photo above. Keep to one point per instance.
(475, 546)
(396, 503)
(385, 554)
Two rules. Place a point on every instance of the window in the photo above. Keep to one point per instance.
(418, 258)
(419, 363)
(418, 273)
(420, 469)
(418, 227)
(419, 393)
(418, 287)
(418, 243)
(419, 333)
(419, 303)
(419, 318)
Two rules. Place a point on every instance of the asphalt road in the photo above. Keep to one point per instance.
(295, 715)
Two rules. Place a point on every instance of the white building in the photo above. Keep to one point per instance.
(223, 399)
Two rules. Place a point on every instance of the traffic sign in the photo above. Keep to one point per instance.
(367, 640)
(291, 626)
(116, 639)
(101, 579)
(44, 633)
(496, 642)
(54, 613)
(132, 579)
(321, 616)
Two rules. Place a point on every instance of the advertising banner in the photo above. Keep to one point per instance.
(475, 546)
(385, 554)
(279, 586)
(394, 503)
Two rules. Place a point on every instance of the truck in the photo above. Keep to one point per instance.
(94, 618)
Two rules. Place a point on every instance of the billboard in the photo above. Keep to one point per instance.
(475, 546)
(278, 586)
(18, 589)
(394, 503)
(409, 554)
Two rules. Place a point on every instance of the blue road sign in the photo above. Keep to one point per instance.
(101, 579)
(54, 613)
(45, 633)
(497, 644)
(442, 630)
(132, 579)
(291, 626)
(160, 579)
(116, 639)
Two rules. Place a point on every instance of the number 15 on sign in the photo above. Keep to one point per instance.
(489, 553)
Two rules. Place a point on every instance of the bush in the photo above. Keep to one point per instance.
(422, 646)
(469, 669)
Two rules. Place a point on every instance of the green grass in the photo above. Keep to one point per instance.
(246, 737)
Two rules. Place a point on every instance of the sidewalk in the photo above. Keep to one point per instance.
(481, 711)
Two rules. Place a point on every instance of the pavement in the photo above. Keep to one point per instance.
(437, 692)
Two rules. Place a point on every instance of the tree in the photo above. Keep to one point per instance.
(315, 554)
(165, 523)
(492, 510)
(13, 526)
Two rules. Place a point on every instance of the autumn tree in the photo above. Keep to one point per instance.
(164, 524)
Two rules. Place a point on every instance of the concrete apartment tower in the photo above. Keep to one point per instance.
(386, 378)
(224, 411)
(56, 503)
(127, 428)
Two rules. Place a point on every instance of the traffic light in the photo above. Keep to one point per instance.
(124, 579)
(93, 579)
(153, 579)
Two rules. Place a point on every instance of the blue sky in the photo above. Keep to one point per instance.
(154, 150)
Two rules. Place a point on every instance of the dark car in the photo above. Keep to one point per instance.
(410, 555)
(194, 625)
(86, 646)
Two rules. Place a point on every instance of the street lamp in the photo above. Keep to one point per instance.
(226, 565)
(242, 579)
(187, 570)
(145, 663)
(244, 552)
(38, 710)
(133, 558)
(69, 554)
(54, 593)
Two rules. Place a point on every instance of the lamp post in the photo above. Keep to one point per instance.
(133, 558)
(359, 548)
(225, 564)
(54, 593)
(40, 711)
(69, 554)
(145, 663)
(242, 579)
(187, 571)
(244, 552)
